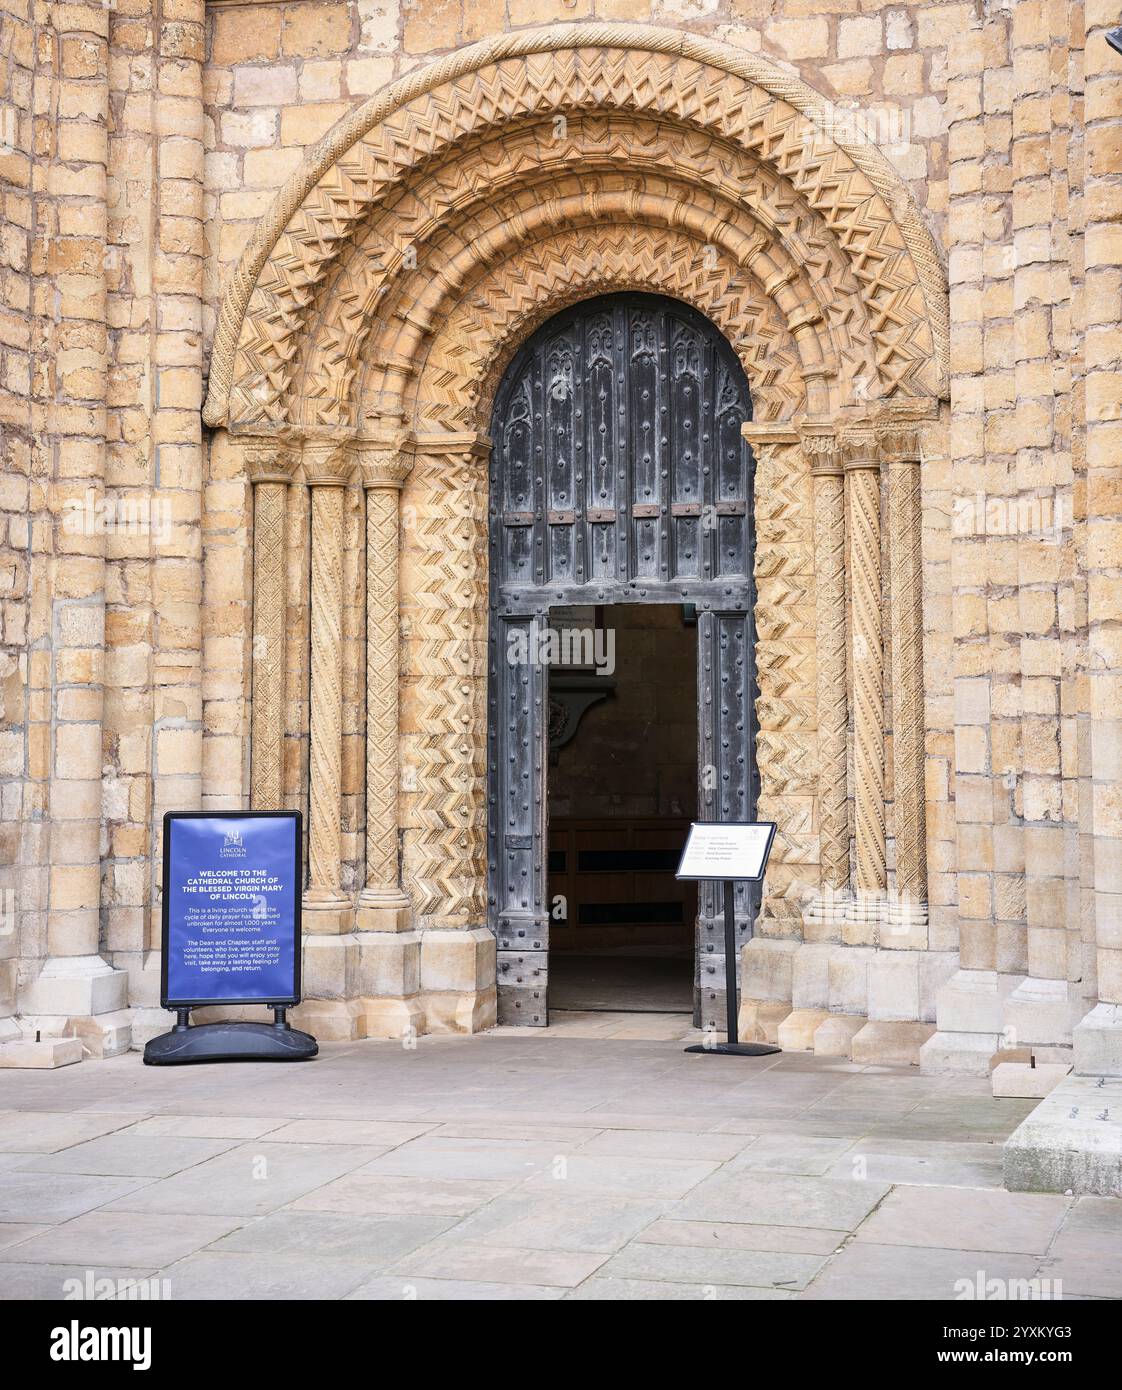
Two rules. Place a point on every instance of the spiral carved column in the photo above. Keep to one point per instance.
(269, 463)
(825, 915)
(863, 547)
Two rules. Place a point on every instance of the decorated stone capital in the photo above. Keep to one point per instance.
(820, 445)
(327, 457)
(383, 461)
(268, 458)
(859, 448)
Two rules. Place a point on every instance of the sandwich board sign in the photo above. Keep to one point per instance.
(231, 933)
(728, 852)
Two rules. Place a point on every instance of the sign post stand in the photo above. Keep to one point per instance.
(231, 935)
(727, 853)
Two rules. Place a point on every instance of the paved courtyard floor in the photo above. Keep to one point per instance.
(528, 1165)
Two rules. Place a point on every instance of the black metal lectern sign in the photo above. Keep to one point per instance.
(726, 853)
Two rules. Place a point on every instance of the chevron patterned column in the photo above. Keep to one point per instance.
(269, 463)
(445, 727)
(863, 542)
(906, 922)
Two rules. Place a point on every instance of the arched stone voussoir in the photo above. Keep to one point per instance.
(740, 95)
(454, 384)
(423, 299)
(444, 226)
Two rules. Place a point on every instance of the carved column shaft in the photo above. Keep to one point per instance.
(833, 699)
(327, 466)
(862, 474)
(269, 464)
(384, 469)
(906, 578)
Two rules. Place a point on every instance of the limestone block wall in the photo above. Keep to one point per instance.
(140, 145)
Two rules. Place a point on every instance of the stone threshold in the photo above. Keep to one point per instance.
(1072, 1141)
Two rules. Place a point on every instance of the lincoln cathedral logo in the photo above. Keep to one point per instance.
(233, 847)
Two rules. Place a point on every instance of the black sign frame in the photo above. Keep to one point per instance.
(721, 878)
(287, 1001)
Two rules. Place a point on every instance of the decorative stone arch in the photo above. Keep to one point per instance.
(361, 339)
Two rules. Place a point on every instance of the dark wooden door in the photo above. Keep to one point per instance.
(618, 475)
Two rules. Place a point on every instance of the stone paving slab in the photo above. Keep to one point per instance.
(510, 1167)
(127, 1154)
(779, 1199)
(899, 1272)
(689, 1264)
(375, 1240)
(117, 1238)
(54, 1282)
(249, 1180)
(404, 1288)
(609, 1290)
(961, 1219)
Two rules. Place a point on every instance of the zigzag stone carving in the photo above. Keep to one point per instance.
(768, 114)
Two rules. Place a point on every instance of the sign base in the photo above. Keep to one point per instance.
(735, 1049)
(230, 1042)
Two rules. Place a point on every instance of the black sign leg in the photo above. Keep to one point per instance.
(732, 1047)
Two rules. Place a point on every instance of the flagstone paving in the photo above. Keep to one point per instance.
(525, 1164)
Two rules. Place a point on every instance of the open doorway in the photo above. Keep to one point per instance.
(622, 791)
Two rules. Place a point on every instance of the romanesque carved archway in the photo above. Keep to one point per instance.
(361, 341)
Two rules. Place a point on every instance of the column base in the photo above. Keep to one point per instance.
(79, 997)
(891, 1042)
(796, 1032)
(863, 916)
(759, 1020)
(383, 915)
(834, 1037)
(824, 917)
(1097, 1042)
(1039, 1013)
(76, 987)
(1072, 1141)
(973, 1001)
(326, 914)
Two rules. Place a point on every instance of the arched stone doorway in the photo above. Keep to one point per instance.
(361, 343)
(619, 475)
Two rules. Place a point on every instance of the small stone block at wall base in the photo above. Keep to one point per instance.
(461, 1013)
(834, 1037)
(891, 1042)
(758, 1021)
(41, 1056)
(796, 1032)
(1022, 1079)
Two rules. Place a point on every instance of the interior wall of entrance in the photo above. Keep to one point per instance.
(622, 784)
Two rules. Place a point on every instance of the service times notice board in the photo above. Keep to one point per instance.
(231, 911)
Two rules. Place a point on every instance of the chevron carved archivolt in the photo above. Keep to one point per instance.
(430, 234)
